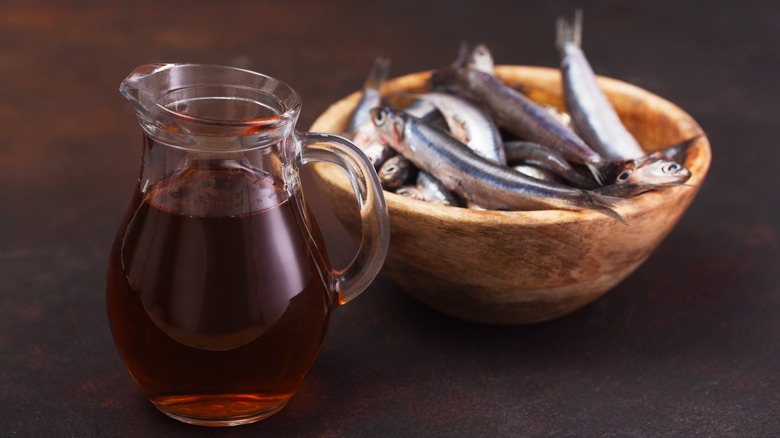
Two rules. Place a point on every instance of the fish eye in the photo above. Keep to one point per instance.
(379, 117)
(673, 167)
(624, 175)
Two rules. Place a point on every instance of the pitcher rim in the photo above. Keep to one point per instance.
(131, 82)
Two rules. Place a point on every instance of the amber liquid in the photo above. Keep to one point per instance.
(218, 316)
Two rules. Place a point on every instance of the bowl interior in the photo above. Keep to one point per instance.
(654, 121)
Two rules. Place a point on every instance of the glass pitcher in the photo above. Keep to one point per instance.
(219, 287)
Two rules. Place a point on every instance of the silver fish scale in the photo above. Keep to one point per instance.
(478, 180)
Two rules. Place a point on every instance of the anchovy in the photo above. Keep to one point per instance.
(475, 179)
(654, 171)
(593, 116)
(378, 153)
(541, 156)
(410, 192)
(434, 191)
(395, 172)
(535, 172)
(516, 113)
(646, 170)
(469, 124)
(371, 97)
(660, 171)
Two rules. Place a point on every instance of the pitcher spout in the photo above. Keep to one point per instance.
(143, 87)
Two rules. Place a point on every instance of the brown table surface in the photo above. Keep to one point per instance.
(689, 345)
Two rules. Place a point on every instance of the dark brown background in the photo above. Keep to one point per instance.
(688, 345)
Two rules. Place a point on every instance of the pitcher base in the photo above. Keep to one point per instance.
(221, 409)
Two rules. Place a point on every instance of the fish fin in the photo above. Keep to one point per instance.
(595, 170)
(569, 31)
(676, 152)
(463, 55)
(441, 79)
(605, 205)
(378, 73)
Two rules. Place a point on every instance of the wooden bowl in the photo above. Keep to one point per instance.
(513, 267)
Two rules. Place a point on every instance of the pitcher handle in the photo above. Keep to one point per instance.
(358, 274)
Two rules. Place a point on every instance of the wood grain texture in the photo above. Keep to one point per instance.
(525, 266)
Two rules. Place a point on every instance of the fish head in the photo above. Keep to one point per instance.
(619, 172)
(660, 171)
(480, 59)
(390, 125)
(395, 172)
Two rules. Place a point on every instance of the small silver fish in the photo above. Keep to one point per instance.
(395, 172)
(660, 172)
(592, 114)
(359, 128)
(476, 179)
(515, 112)
(371, 97)
(540, 156)
(378, 153)
(411, 192)
(434, 191)
(469, 124)
(654, 171)
(646, 170)
(535, 172)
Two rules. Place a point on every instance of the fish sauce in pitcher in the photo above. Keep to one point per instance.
(216, 283)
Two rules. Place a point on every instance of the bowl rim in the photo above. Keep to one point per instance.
(698, 160)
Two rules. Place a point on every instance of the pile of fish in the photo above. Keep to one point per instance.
(472, 141)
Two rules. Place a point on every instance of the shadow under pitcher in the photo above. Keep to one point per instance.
(219, 286)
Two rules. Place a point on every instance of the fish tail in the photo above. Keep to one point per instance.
(677, 152)
(378, 73)
(463, 55)
(605, 205)
(569, 31)
(441, 79)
